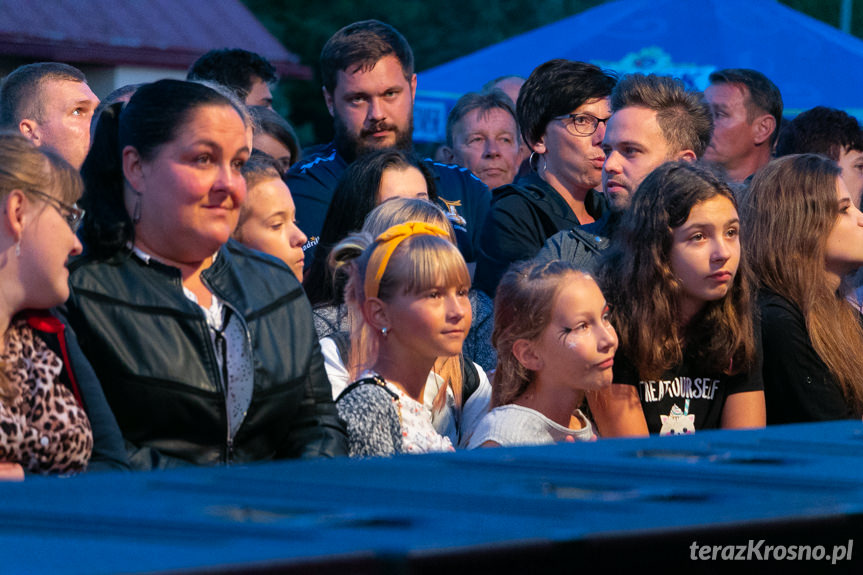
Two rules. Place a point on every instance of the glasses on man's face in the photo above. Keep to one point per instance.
(70, 212)
(581, 124)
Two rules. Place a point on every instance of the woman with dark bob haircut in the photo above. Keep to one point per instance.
(365, 184)
(205, 349)
(805, 235)
(562, 110)
(679, 291)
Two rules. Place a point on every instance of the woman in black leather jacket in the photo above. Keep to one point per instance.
(206, 350)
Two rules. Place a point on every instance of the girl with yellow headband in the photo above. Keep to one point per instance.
(408, 288)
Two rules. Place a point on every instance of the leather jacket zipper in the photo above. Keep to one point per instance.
(229, 439)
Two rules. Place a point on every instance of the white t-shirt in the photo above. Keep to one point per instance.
(512, 425)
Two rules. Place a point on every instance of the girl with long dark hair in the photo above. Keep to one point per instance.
(680, 295)
(805, 235)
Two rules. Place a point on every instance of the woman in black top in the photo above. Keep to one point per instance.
(205, 349)
(679, 291)
(804, 236)
(563, 108)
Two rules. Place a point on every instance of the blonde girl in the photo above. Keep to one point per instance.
(409, 288)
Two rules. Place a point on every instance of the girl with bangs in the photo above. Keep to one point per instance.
(805, 238)
(408, 290)
(458, 415)
(680, 296)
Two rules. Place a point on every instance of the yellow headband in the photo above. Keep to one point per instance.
(387, 242)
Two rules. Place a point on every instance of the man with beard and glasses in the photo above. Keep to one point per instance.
(369, 88)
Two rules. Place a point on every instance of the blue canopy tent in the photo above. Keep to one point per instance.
(811, 63)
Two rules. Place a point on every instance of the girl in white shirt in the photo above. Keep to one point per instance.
(554, 343)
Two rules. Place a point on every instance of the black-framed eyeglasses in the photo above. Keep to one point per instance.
(581, 124)
(70, 212)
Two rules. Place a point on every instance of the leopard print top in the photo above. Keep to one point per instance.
(42, 427)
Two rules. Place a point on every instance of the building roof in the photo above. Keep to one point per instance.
(160, 33)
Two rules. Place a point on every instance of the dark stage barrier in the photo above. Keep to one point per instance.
(658, 503)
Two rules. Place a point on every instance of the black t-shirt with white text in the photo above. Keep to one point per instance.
(686, 398)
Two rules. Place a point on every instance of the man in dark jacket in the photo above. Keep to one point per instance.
(369, 89)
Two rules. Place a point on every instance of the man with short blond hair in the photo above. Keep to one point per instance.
(51, 104)
(482, 135)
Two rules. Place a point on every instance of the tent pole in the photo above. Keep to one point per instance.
(845, 15)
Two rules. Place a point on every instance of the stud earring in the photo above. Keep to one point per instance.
(385, 331)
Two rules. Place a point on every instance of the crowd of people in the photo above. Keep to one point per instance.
(588, 255)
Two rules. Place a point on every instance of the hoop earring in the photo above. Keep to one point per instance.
(534, 160)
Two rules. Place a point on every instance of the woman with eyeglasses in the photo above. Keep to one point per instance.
(53, 416)
(562, 111)
(206, 349)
